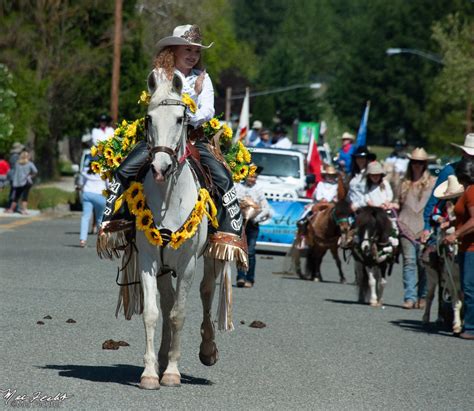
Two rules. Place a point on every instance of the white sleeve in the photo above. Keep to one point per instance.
(389, 192)
(318, 195)
(205, 104)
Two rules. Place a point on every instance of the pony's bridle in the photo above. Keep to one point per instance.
(164, 149)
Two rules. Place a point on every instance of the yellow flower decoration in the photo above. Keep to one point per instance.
(244, 170)
(124, 123)
(144, 220)
(154, 236)
(145, 98)
(240, 156)
(93, 151)
(133, 191)
(252, 170)
(95, 167)
(190, 103)
(138, 205)
(118, 160)
(100, 148)
(227, 131)
(108, 153)
(131, 130)
(125, 143)
(214, 123)
(247, 156)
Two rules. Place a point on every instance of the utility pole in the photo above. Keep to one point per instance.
(114, 94)
(228, 97)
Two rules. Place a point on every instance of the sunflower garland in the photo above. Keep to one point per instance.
(136, 201)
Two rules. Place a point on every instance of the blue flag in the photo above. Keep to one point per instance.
(362, 133)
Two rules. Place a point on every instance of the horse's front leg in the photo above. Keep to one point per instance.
(208, 353)
(335, 254)
(171, 376)
(432, 279)
(373, 287)
(149, 378)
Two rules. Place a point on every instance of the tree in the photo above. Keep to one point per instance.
(7, 100)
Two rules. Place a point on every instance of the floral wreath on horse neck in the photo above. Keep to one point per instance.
(111, 153)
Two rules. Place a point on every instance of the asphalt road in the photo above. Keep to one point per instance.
(320, 350)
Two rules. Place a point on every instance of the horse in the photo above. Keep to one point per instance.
(373, 253)
(443, 271)
(171, 190)
(327, 227)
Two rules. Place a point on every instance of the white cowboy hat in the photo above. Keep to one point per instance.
(449, 189)
(468, 146)
(187, 35)
(375, 167)
(347, 136)
(420, 154)
(257, 124)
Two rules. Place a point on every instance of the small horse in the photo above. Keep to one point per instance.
(171, 191)
(443, 271)
(373, 253)
(328, 226)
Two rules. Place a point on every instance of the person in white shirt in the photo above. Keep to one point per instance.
(326, 190)
(103, 132)
(378, 192)
(357, 184)
(280, 138)
(255, 209)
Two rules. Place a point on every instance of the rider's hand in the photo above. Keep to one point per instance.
(444, 224)
(424, 236)
(199, 81)
(451, 238)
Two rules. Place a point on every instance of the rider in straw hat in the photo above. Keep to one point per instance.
(468, 153)
(180, 54)
(326, 190)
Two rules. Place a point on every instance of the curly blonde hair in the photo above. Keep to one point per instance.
(165, 60)
(424, 182)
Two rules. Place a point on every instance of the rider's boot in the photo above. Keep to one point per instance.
(117, 225)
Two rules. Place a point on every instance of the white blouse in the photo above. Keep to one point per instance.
(357, 190)
(325, 191)
(378, 196)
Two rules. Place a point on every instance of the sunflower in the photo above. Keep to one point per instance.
(118, 160)
(137, 205)
(125, 143)
(177, 239)
(247, 156)
(244, 170)
(95, 167)
(131, 130)
(227, 131)
(240, 156)
(145, 98)
(134, 190)
(154, 236)
(190, 103)
(110, 163)
(252, 170)
(93, 151)
(214, 123)
(108, 153)
(144, 220)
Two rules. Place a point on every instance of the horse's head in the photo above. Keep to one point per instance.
(342, 214)
(166, 124)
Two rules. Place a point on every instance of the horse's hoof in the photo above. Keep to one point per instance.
(316, 279)
(149, 383)
(209, 360)
(374, 304)
(457, 329)
(171, 380)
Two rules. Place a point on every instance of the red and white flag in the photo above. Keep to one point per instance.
(314, 161)
(244, 119)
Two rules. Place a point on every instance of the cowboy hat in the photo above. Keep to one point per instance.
(420, 154)
(257, 124)
(329, 171)
(449, 189)
(468, 146)
(17, 148)
(347, 136)
(187, 35)
(375, 167)
(363, 151)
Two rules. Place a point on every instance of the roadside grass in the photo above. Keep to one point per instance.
(41, 198)
(382, 152)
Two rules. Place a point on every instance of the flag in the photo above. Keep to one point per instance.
(313, 160)
(244, 119)
(362, 133)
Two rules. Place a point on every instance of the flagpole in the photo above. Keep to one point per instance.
(228, 102)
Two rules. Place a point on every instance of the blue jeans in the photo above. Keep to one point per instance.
(251, 230)
(466, 266)
(411, 264)
(91, 201)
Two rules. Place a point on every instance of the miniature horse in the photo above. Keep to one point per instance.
(373, 253)
(328, 225)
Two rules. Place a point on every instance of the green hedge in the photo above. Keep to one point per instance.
(42, 198)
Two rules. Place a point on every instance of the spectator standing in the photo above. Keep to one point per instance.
(15, 151)
(464, 233)
(254, 133)
(413, 194)
(4, 169)
(104, 131)
(344, 157)
(92, 199)
(255, 209)
(264, 140)
(22, 180)
(280, 139)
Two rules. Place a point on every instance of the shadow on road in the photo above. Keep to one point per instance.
(119, 373)
(419, 327)
(354, 302)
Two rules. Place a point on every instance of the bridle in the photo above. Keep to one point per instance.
(165, 149)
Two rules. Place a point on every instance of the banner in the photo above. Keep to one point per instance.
(281, 228)
(306, 131)
(244, 126)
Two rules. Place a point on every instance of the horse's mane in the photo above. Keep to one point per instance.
(343, 207)
(375, 221)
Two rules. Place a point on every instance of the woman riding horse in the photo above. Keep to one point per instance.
(180, 53)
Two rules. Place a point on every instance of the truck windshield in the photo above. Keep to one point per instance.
(277, 165)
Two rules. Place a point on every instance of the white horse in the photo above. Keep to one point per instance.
(171, 191)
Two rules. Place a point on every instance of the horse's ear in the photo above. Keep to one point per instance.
(177, 83)
(152, 81)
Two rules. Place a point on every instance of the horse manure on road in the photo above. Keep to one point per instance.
(40, 322)
(242, 322)
(257, 324)
(71, 321)
(47, 317)
(114, 345)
